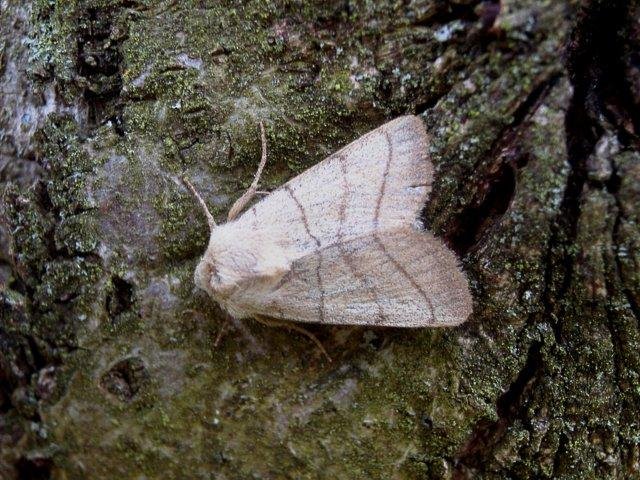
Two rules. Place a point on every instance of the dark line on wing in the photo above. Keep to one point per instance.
(255, 218)
(383, 187)
(305, 222)
(348, 260)
(397, 264)
(286, 278)
(303, 214)
(345, 189)
(407, 275)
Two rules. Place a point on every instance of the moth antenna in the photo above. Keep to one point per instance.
(210, 219)
(263, 158)
(252, 190)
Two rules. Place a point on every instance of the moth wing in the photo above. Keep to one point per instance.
(381, 179)
(398, 278)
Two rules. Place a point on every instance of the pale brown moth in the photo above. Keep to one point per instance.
(341, 243)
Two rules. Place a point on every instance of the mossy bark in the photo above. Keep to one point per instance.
(111, 363)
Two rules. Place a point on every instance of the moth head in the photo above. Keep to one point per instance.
(207, 277)
(208, 273)
(236, 259)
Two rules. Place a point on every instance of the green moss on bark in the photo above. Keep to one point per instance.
(148, 388)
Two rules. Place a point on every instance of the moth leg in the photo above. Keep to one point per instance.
(269, 322)
(253, 189)
(221, 332)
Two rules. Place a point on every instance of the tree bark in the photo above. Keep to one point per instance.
(113, 365)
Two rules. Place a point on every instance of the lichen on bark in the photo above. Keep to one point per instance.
(110, 363)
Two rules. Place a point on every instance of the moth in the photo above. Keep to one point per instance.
(341, 243)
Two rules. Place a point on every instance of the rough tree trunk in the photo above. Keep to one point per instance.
(108, 363)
